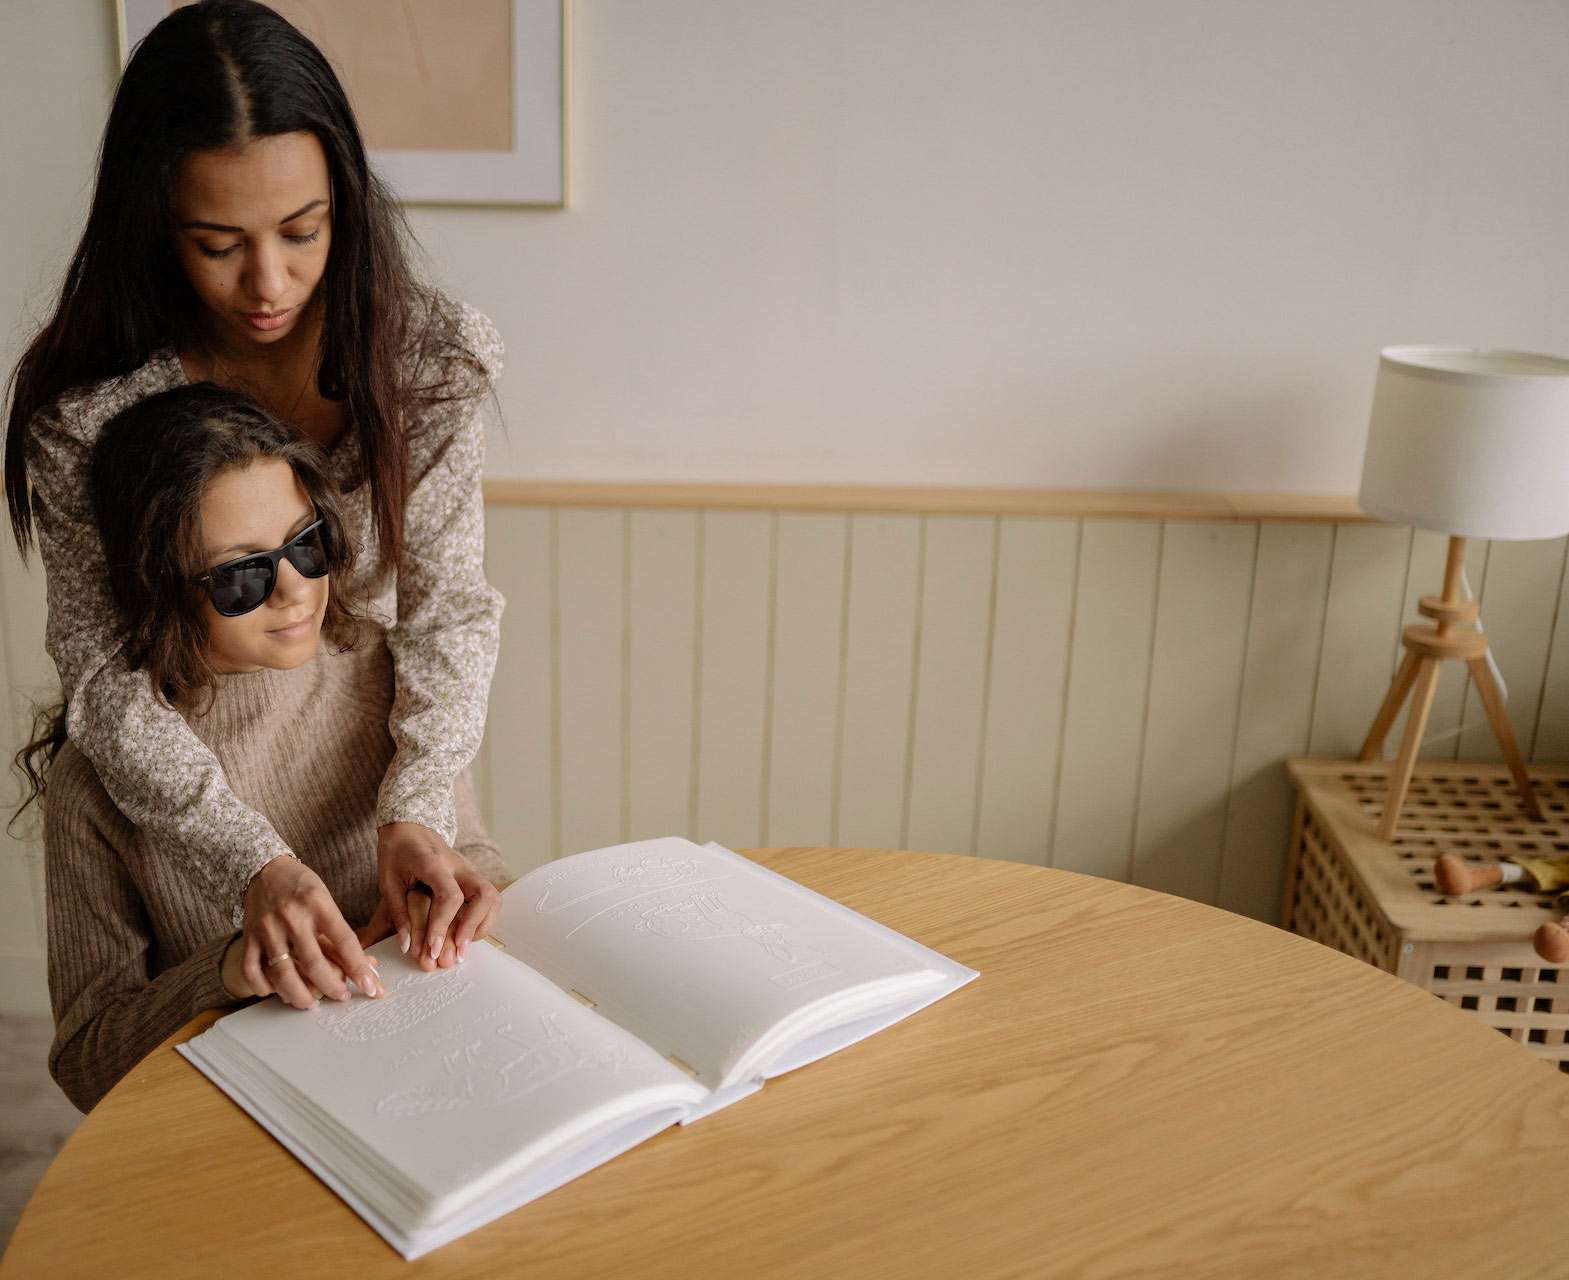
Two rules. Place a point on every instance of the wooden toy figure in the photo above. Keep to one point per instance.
(1544, 875)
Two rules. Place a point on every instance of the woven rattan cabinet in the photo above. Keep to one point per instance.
(1349, 890)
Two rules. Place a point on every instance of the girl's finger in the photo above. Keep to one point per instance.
(315, 968)
(251, 966)
(393, 896)
(445, 900)
(416, 904)
(282, 969)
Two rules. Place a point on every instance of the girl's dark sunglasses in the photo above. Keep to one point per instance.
(238, 586)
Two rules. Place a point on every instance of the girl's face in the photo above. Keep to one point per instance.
(253, 227)
(259, 507)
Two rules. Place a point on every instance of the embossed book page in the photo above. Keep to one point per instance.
(708, 957)
(456, 1084)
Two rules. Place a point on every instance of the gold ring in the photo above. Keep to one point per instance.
(278, 959)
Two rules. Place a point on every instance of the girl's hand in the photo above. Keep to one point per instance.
(463, 904)
(289, 911)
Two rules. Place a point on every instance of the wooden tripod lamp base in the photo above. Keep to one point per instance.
(1426, 649)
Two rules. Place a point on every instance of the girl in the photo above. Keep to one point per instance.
(225, 549)
(237, 235)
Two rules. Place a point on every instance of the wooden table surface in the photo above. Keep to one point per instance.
(1136, 1085)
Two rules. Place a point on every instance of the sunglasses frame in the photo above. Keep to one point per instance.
(209, 579)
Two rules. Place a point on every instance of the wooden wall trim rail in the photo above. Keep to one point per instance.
(1071, 503)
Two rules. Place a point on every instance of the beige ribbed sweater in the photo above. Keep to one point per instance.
(134, 943)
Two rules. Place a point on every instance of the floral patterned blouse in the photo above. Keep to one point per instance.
(442, 621)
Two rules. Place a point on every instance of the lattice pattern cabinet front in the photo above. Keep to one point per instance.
(1376, 901)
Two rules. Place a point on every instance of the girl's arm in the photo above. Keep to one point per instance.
(449, 617)
(156, 770)
(108, 1014)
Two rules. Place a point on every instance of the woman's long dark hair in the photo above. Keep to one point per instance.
(208, 76)
(150, 467)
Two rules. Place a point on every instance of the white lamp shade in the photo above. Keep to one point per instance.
(1469, 442)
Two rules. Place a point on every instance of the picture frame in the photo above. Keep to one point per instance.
(513, 128)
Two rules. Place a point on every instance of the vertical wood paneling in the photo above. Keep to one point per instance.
(1118, 700)
(879, 669)
(1274, 714)
(663, 626)
(30, 679)
(1361, 625)
(1206, 578)
(28, 672)
(950, 684)
(23, 935)
(1425, 577)
(1550, 739)
(732, 683)
(519, 733)
(808, 634)
(1518, 605)
(591, 585)
(1036, 560)
(1108, 680)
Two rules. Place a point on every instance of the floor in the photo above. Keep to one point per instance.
(35, 1117)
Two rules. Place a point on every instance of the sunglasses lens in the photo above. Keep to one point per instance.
(308, 552)
(239, 588)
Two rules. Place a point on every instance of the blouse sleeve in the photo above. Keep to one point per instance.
(108, 1014)
(449, 617)
(158, 773)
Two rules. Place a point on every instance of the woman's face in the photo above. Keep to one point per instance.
(260, 507)
(253, 227)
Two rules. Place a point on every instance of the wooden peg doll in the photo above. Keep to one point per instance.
(1543, 875)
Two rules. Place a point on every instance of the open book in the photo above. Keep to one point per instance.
(630, 988)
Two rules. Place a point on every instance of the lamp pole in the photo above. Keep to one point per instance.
(1427, 647)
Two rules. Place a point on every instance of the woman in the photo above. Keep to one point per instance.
(237, 235)
(222, 561)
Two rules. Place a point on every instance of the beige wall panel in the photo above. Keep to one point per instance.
(1274, 714)
(590, 643)
(24, 986)
(1201, 627)
(23, 603)
(23, 936)
(1108, 679)
(1036, 560)
(1518, 605)
(1550, 740)
(737, 568)
(29, 673)
(30, 679)
(520, 769)
(1361, 627)
(879, 677)
(34, 858)
(1425, 577)
(661, 652)
(808, 648)
(950, 688)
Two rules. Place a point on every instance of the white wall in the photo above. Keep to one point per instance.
(1147, 243)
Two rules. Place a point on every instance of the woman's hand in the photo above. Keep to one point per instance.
(417, 902)
(463, 904)
(289, 911)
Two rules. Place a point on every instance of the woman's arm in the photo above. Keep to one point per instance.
(158, 773)
(108, 1013)
(449, 617)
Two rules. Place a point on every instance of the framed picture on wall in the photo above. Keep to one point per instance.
(460, 101)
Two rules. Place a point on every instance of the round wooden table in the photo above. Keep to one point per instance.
(1135, 1085)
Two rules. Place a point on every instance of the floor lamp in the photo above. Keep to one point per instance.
(1473, 444)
